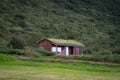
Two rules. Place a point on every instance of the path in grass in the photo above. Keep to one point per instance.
(12, 69)
(22, 72)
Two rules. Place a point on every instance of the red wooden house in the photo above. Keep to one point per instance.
(60, 46)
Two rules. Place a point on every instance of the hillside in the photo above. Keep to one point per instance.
(96, 23)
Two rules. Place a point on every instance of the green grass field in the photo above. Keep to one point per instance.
(12, 69)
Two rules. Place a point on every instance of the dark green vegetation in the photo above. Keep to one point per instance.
(43, 55)
(11, 68)
(16, 43)
(96, 23)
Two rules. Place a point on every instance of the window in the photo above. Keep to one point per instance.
(53, 49)
(58, 49)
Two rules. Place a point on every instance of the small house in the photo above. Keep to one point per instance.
(60, 46)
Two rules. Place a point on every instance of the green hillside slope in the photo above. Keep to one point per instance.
(96, 23)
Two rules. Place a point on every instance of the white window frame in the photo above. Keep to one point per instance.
(59, 49)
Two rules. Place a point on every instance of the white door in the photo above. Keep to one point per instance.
(67, 51)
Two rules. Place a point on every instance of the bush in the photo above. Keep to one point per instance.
(46, 53)
(63, 57)
(34, 50)
(115, 58)
(12, 51)
(25, 52)
(30, 53)
(103, 52)
(15, 51)
(17, 43)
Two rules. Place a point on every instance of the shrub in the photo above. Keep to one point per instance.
(15, 51)
(17, 43)
(46, 53)
(30, 53)
(115, 58)
(12, 51)
(33, 50)
(63, 57)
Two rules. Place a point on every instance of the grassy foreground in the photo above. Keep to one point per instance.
(12, 69)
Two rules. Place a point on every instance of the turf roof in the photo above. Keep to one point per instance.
(69, 42)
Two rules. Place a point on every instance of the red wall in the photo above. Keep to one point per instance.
(77, 50)
(45, 44)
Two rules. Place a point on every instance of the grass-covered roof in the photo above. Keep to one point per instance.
(67, 42)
